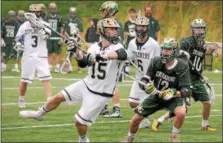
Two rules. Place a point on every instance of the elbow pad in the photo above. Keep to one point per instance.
(122, 54)
(186, 92)
(83, 62)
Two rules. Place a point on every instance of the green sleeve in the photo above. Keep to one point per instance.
(184, 78)
(184, 45)
(157, 26)
(126, 27)
(151, 67)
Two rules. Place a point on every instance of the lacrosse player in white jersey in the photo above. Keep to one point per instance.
(34, 59)
(140, 50)
(95, 90)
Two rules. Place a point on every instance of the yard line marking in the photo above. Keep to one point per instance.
(77, 79)
(100, 122)
(41, 102)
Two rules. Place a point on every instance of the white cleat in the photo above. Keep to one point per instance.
(57, 70)
(84, 140)
(30, 114)
(22, 104)
(145, 123)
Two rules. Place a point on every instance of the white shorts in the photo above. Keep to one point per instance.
(137, 95)
(92, 104)
(33, 65)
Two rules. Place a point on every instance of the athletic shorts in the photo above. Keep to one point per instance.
(137, 95)
(199, 91)
(34, 65)
(92, 104)
(7, 51)
(153, 103)
(53, 46)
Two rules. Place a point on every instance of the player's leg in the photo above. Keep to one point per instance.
(146, 108)
(50, 54)
(116, 106)
(16, 59)
(180, 112)
(5, 56)
(27, 75)
(136, 97)
(92, 104)
(57, 50)
(65, 95)
(43, 72)
(199, 93)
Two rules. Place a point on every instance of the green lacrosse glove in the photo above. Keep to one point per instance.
(150, 88)
(168, 93)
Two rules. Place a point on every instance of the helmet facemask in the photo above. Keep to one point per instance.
(199, 34)
(141, 31)
(169, 50)
(111, 37)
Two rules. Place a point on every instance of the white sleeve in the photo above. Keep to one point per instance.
(157, 50)
(20, 34)
(129, 52)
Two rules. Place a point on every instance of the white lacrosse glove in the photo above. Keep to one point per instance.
(18, 47)
(3, 43)
(71, 44)
(185, 54)
(91, 58)
(44, 33)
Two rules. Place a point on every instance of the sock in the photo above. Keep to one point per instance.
(116, 105)
(83, 137)
(57, 66)
(42, 111)
(160, 119)
(50, 66)
(204, 123)
(16, 66)
(21, 98)
(175, 131)
(4, 66)
(131, 134)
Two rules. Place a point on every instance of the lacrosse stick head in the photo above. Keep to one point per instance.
(34, 21)
(66, 66)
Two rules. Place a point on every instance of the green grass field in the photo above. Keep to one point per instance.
(58, 125)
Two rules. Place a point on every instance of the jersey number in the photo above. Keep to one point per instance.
(100, 70)
(140, 64)
(163, 84)
(35, 40)
(197, 63)
(10, 32)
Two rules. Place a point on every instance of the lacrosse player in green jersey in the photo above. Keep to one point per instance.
(9, 31)
(53, 44)
(194, 47)
(167, 83)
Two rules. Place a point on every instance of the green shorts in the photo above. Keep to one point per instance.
(8, 51)
(153, 103)
(199, 91)
(53, 46)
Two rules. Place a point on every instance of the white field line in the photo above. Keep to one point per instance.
(42, 102)
(77, 79)
(100, 122)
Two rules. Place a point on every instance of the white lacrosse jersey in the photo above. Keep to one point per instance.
(34, 45)
(141, 54)
(102, 76)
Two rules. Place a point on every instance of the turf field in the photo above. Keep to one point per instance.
(58, 125)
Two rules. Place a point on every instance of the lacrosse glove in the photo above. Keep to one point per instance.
(168, 93)
(150, 89)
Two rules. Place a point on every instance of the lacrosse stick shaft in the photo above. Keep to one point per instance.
(136, 67)
(134, 79)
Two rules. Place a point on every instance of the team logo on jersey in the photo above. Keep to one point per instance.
(141, 55)
(198, 53)
(165, 77)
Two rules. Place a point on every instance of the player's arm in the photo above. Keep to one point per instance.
(119, 54)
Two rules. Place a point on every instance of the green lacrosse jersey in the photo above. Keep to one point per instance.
(9, 30)
(120, 30)
(55, 23)
(177, 77)
(129, 27)
(71, 25)
(196, 56)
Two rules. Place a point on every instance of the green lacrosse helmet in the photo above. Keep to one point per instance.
(170, 44)
(108, 9)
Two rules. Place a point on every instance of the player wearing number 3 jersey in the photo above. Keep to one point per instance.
(95, 90)
(34, 60)
(141, 50)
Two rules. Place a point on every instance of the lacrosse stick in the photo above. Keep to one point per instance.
(41, 24)
(66, 66)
